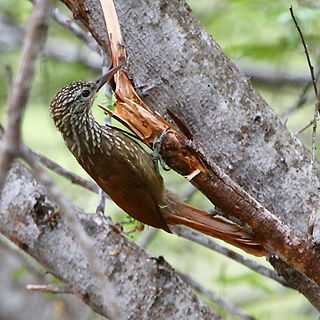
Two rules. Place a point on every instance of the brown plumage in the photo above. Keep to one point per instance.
(125, 171)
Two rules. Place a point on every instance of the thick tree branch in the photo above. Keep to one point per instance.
(23, 205)
(108, 302)
(230, 123)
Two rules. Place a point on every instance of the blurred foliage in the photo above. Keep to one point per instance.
(257, 32)
(18, 273)
(258, 29)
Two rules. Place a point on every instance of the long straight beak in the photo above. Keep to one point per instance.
(106, 77)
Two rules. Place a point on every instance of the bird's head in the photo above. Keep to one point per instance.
(77, 97)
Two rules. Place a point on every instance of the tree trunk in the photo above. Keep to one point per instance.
(176, 65)
(145, 287)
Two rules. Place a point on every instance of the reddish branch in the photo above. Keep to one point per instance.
(295, 247)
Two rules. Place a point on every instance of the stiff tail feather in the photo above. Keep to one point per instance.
(229, 232)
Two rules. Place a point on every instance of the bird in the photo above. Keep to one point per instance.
(126, 172)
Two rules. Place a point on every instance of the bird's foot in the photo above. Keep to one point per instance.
(156, 155)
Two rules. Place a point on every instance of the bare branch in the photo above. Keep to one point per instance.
(288, 277)
(84, 36)
(107, 292)
(62, 171)
(32, 46)
(297, 281)
(312, 219)
(49, 288)
(304, 128)
(148, 237)
(121, 260)
(101, 206)
(208, 243)
(303, 98)
(305, 51)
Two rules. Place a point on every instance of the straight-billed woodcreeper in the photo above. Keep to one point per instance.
(126, 172)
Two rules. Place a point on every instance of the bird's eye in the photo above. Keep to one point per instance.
(85, 93)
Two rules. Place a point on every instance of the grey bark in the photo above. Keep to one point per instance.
(16, 303)
(146, 288)
(175, 65)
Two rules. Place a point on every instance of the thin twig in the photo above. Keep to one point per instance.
(301, 100)
(210, 295)
(304, 128)
(315, 115)
(32, 46)
(73, 27)
(62, 171)
(82, 239)
(205, 241)
(49, 288)
(314, 82)
(8, 78)
(84, 36)
(101, 206)
(305, 51)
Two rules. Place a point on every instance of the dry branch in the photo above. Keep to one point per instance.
(293, 246)
(175, 65)
(108, 303)
(226, 305)
(208, 243)
(55, 167)
(147, 297)
(18, 96)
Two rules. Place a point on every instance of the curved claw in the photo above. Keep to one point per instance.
(156, 146)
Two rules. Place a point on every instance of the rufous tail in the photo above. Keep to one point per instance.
(213, 226)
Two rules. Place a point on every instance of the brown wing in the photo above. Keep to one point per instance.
(129, 178)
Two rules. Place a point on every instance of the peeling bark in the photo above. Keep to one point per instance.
(145, 287)
(175, 65)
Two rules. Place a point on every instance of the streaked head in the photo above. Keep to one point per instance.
(77, 97)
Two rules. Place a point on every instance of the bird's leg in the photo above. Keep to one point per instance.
(156, 155)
